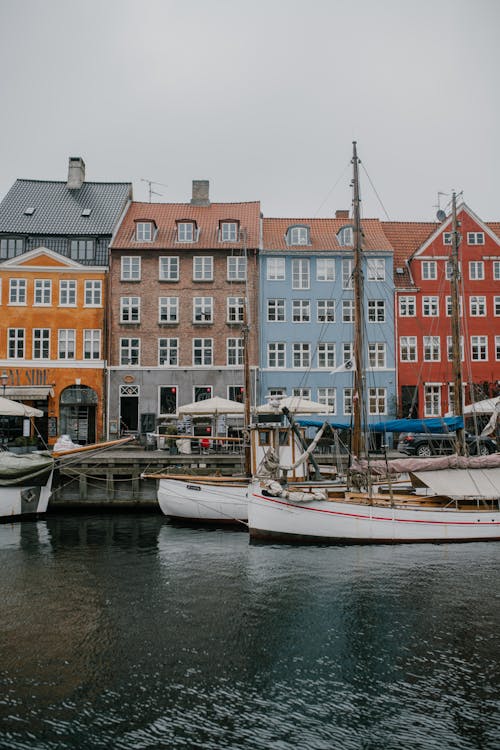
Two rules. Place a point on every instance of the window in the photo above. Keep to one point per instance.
(276, 310)
(43, 292)
(67, 293)
(347, 394)
(496, 270)
(448, 306)
(479, 348)
(229, 231)
(168, 352)
(325, 269)
(144, 231)
(376, 355)
(236, 393)
(203, 268)
(10, 247)
(168, 399)
(17, 292)
(496, 305)
(476, 270)
(301, 311)
(347, 265)
(130, 351)
(429, 270)
(130, 309)
(347, 311)
(447, 238)
(202, 392)
(203, 351)
(276, 354)
(347, 352)
(377, 398)
(235, 309)
(82, 249)
(430, 306)
(186, 231)
(301, 393)
(169, 268)
(449, 270)
(449, 346)
(376, 311)
(300, 273)
(326, 310)
(203, 310)
(92, 343)
(168, 309)
(478, 306)
(275, 269)
(432, 348)
(345, 237)
(475, 238)
(497, 348)
(328, 396)
(236, 268)
(408, 348)
(41, 343)
(301, 355)
(407, 307)
(131, 268)
(376, 269)
(234, 352)
(326, 354)
(66, 343)
(16, 340)
(298, 236)
(93, 293)
(432, 400)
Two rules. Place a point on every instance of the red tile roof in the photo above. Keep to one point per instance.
(322, 234)
(406, 237)
(207, 218)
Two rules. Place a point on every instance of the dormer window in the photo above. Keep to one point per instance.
(186, 231)
(345, 237)
(298, 236)
(228, 231)
(144, 231)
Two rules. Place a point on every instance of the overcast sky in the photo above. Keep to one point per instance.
(262, 97)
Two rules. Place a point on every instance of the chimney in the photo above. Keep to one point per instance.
(342, 213)
(200, 193)
(76, 173)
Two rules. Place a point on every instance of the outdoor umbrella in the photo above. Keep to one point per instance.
(10, 408)
(212, 406)
(295, 404)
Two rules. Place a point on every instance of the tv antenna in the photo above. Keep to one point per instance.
(438, 204)
(150, 183)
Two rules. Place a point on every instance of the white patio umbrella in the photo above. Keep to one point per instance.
(295, 404)
(212, 406)
(482, 407)
(10, 408)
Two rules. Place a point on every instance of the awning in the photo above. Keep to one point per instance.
(29, 392)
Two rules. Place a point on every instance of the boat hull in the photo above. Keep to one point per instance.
(205, 502)
(25, 500)
(341, 522)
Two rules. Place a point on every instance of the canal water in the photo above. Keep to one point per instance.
(128, 632)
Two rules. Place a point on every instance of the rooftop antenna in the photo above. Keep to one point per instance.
(150, 188)
(438, 204)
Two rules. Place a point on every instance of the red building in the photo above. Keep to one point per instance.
(423, 312)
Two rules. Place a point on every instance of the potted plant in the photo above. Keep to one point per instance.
(171, 429)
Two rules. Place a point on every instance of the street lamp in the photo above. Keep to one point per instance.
(4, 378)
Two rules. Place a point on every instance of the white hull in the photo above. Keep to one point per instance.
(206, 501)
(24, 500)
(275, 519)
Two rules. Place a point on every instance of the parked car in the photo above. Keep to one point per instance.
(426, 444)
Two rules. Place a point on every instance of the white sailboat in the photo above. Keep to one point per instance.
(452, 499)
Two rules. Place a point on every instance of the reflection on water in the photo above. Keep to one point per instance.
(126, 632)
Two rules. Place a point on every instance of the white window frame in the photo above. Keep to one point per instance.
(276, 310)
(42, 293)
(429, 270)
(93, 288)
(298, 236)
(348, 311)
(301, 275)
(325, 269)
(497, 348)
(377, 355)
(276, 351)
(228, 231)
(68, 293)
(203, 268)
(377, 401)
(325, 310)
(475, 238)
(234, 352)
(235, 310)
(476, 270)
(275, 269)
(144, 231)
(168, 310)
(130, 310)
(430, 306)
(478, 347)
(66, 343)
(236, 268)
(130, 350)
(168, 267)
(186, 231)
(130, 268)
(432, 399)
(347, 270)
(345, 237)
(449, 348)
(40, 343)
(496, 306)
(448, 306)
(203, 310)
(327, 354)
(375, 269)
(301, 355)
(347, 351)
(431, 349)
(301, 311)
(18, 292)
(407, 306)
(168, 352)
(203, 349)
(347, 394)
(376, 310)
(91, 347)
(408, 349)
(17, 338)
(328, 396)
(496, 270)
(477, 306)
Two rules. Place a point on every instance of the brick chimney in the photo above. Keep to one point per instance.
(76, 173)
(342, 213)
(200, 193)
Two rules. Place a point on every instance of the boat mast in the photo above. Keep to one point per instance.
(358, 395)
(245, 334)
(458, 396)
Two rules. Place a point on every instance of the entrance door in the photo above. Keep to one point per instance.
(129, 408)
(409, 401)
(77, 413)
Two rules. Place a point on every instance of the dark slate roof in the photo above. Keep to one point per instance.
(59, 210)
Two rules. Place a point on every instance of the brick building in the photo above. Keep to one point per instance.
(179, 277)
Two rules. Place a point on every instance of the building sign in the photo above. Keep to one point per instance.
(28, 376)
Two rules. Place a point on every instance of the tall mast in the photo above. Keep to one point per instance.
(458, 396)
(245, 333)
(358, 396)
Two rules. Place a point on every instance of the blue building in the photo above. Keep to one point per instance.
(307, 313)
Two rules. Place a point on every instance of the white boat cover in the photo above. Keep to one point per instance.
(462, 483)
(16, 468)
(404, 465)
